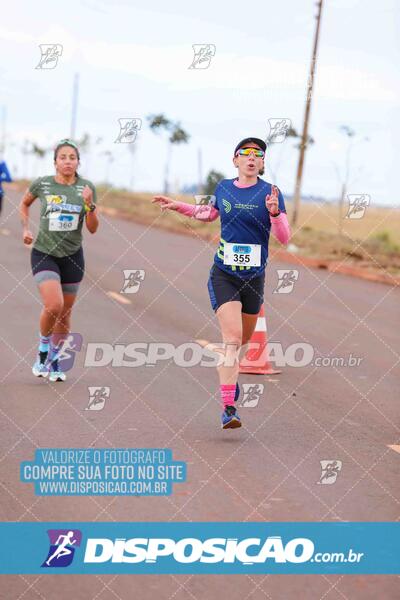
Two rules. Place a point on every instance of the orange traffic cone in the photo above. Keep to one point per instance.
(256, 359)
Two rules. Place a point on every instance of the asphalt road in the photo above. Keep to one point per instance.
(266, 471)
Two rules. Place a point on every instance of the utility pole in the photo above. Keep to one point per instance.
(3, 128)
(200, 170)
(166, 172)
(346, 178)
(341, 203)
(75, 92)
(303, 143)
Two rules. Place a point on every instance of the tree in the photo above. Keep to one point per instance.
(39, 153)
(132, 151)
(177, 135)
(26, 149)
(291, 133)
(109, 161)
(85, 145)
(212, 179)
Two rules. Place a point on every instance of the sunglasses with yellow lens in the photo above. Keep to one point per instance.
(248, 151)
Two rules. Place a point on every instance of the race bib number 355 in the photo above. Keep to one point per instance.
(63, 222)
(245, 255)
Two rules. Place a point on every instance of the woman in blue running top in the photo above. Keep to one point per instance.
(5, 177)
(249, 209)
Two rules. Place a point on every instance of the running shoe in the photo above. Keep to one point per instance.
(55, 373)
(237, 392)
(230, 419)
(41, 366)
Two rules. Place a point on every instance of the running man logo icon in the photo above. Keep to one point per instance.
(286, 280)
(357, 205)
(251, 394)
(128, 129)
(202, 200)
(62, 547)
(203, 54)
(97, 397)
(278, 129)
(133, 279)
(329, 471)
(67, 345)
(50, 54)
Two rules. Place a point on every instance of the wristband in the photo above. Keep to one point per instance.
(90, 207)
(277, 214)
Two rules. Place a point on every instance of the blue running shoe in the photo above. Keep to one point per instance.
(41, 366)
(55, 373)
(237, 392)
(230, 419)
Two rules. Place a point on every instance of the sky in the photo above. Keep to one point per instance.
(133, 60)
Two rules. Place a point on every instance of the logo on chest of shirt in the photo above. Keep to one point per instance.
(54, 199)
(58, 203)
(238, 205)
(227, 205)
(241, 206)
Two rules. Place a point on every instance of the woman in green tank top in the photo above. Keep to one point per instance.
(67, 201)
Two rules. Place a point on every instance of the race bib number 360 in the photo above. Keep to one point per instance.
(63, 222)
(246, 255)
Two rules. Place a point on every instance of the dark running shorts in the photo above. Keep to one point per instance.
(68, 270)
(224, 287)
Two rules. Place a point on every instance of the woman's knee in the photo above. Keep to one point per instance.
(233, 337)
(54, 307)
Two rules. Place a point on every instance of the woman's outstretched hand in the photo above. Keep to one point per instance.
(165, 202)
(272, 201)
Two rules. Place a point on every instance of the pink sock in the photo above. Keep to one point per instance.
(228, 395)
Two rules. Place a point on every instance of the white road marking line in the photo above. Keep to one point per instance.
(119, 297)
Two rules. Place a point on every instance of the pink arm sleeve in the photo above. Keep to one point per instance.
(197, 211)
(280, 228)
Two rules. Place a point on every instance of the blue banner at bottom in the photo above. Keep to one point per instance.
(200, 548)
